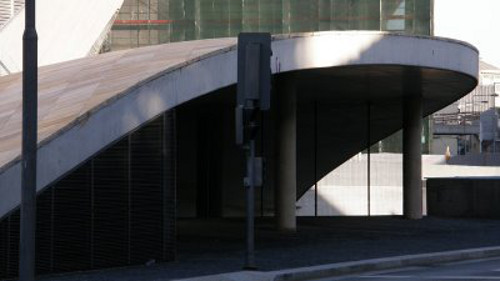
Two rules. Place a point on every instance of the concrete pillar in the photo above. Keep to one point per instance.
(286, 157)
(412, 151)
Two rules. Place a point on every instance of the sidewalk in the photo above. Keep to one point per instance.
(348, 268)
(211, 247)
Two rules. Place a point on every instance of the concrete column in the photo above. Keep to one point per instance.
(412, 152)
(286, 157)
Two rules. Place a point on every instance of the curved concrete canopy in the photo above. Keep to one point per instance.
(85, 105)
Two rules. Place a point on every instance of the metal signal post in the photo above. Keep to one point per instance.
(254, 84)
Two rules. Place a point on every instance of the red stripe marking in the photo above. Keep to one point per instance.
(139, 22)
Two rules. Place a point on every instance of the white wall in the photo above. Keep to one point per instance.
(343, 192)
(67, 30)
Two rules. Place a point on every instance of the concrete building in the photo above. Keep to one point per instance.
(465, 126)
(131, 140)
(457, 127)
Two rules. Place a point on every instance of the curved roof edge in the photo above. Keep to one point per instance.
(125, 110)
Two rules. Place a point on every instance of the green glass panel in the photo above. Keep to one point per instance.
(364, 15)
(250, 15)
(394, 15)
(143, 22)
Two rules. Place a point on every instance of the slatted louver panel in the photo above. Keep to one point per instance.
(115, 210)
(169, 166)
(18, 5)
(5, 11)
(72, 221)
(8, 9)
(4, 247)
(44, 224)
(146, 193)
(110, 207)
(13, 244)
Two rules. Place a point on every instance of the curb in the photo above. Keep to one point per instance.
(346, 268)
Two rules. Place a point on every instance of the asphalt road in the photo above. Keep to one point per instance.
(476, 270)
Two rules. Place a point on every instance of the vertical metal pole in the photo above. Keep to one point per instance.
(315, 158)
(368, 160)
(494, 126)
(29, 144)
(250, 187)
(494, 137)
(381, 15)
(253, 97)
(149, 24)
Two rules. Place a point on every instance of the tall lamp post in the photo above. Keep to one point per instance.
(29, 144)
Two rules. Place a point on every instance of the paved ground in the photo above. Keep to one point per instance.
(215, 246)
(488, 269)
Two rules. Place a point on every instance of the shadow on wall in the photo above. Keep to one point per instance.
(336, 105)
(344, 191)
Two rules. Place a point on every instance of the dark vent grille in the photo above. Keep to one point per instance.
(146, 193)
(13, 247)
(4, 244)
(117, 209)
(9, 248)
(44, 226)
(110, 200)
(71, 222)
(169, 184)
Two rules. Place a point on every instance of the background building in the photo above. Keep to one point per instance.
(471, 21)
(466, 126)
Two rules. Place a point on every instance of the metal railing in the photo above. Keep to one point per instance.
(468, 108)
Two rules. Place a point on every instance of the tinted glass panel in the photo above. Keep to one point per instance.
(149, 22)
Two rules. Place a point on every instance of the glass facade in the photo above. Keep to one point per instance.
(149, 22)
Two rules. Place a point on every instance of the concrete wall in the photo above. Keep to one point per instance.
(464, 197)
(440, 143)
(484, 159)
